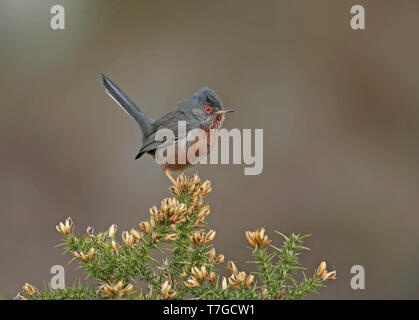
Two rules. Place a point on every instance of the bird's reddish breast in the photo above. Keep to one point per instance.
(211, 132)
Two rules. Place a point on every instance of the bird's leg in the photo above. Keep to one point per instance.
(167, 172)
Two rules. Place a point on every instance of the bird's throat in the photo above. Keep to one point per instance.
(216, 121)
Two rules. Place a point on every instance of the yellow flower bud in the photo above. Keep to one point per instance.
(108, 290)
(249, 280)
(90, 232)
(233, 282)
(232, 267)
(118, 286)
(264, 242)
(68, 225)
(136, 234)
(321, 268)
(91, 253)
(259, 234)
(195, 272)
(212, 278)
(64, 228)
(251, 239)
(331, 275)
(241, 277)
(79, 254)
(204, 273)
(210, 236)
(220, 259)
(112, 231)
(30, 290)
(154, 238)
(224, 284)
(145, 226)
(165, 287)
(114, 246)
(127, 290)
(191, 282)
(211, 255)
(171, 237)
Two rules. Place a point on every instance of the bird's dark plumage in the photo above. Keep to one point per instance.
(129, 106)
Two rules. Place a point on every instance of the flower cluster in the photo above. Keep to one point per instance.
(65, 228)
(257, 238)
(118, 289)
(324, 274)
(191, 268)
(166, 292)
(237, 278)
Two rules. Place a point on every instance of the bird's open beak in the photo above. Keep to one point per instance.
(224, 110)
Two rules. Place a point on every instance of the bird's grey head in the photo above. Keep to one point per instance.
(205, 106)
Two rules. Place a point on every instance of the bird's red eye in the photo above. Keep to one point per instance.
(208, 109)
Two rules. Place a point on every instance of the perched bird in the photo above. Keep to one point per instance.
(202, 110)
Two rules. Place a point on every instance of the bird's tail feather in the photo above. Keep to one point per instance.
(128, 105)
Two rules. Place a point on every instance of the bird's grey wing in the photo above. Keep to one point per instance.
(168, 121)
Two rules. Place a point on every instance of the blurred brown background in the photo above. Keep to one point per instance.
(339, 109)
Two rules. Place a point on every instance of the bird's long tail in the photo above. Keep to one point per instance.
(128, 105)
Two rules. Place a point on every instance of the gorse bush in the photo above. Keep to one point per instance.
(190, 269)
